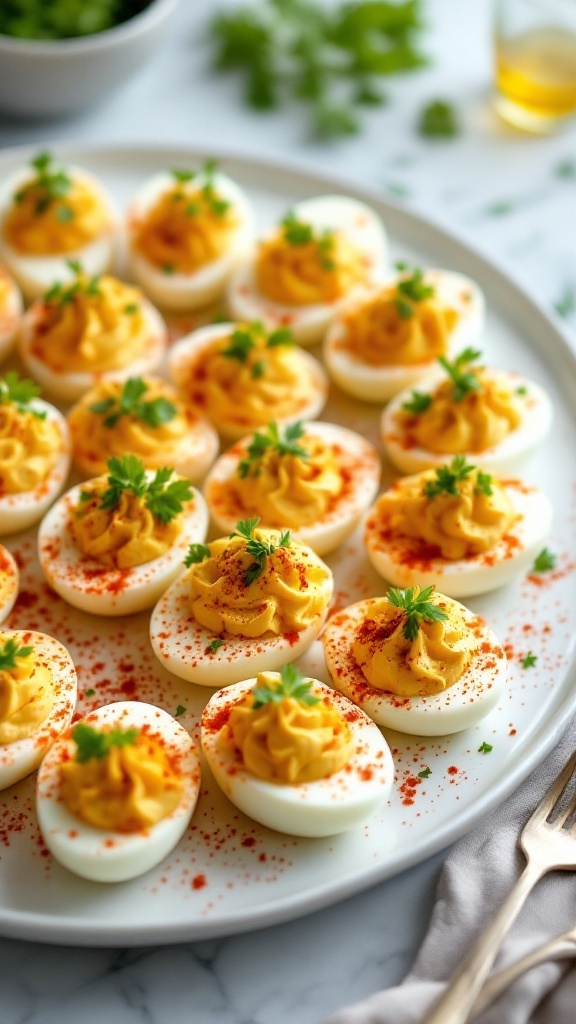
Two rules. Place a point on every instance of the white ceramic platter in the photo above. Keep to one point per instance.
(229, 874)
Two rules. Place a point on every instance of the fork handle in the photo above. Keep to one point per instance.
(561, 948)
(455, 1003)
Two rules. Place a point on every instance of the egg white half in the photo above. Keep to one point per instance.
(19, 511)
(9, 582)
(360, 225)
(358, 459)
(10, 316)
(380, 383)
(87, 584)
(22, 757)
(108, 856)
(322, 808)
(458, 707)
(503, 458)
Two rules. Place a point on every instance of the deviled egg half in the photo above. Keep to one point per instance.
(317, 479)
(50, 214)
(457, 528)
(38, 691)
(495, 418)
(416, 661)
(34, 454)
(145, 417)
(295, 755)
(117, 791)
(390, 338)
(95, 329)
(113, 545)
(248, 603)
(11, 311)
(187, 231)
(242, 376)
(323, 250)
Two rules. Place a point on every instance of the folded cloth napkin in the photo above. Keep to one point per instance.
(477, 876)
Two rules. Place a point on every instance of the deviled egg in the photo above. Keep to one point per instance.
(316, 479)
(38, 691)
(113, 545)
(50, 214)
(34, 454)
(390, 338)
(295, 755)
(494, 417)
(457, 528)
(248, 603)
(117, 791)
(144, 417)
(11, 310)
(323, 250)
(187, 230)
(242, 376)
(96, 329)
(416, 661)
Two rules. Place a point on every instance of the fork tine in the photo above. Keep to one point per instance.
(553, 795)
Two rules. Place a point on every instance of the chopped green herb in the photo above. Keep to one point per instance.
(259, 549)
(168, 268)
(523, 390)
(196, 553)
(64, 19)
(10, 651)
(90, 692)
(285, 443)
(485, 748)
(529, 660)
(183, 176)
(241, 344)
(413, 287)
(416, 606)
(52, 182)
(258, 369)
(64, 214)
(19, 393)
(565, 306)
(483, 483)
(90, 743)
(545, 561)
(425, 773)
(62, 296)
(215, 645)
(463, 380)
(281, 336)
(297, 232)
(291, 684)
(154, 412)
(418, 404)
(404, 309)
(131, 308)
(448, 478)
(164, 499)
(438, 120)
(180, 710)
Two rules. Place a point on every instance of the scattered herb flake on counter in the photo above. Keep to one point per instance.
(425, 773)
(485, 748)
(180, 710)
(544, 562)
(64, 19)
(438, 120)
(326, 57)
(89, 693)
(529, 660)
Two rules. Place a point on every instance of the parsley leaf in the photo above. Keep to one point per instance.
(241, 344)
(416, 605)
(51, 183)
(438, 120)
(485, 748)
(19, 393)
(529, 660)
(215, 645)
(153, 412)
(259, 549)
(418, 404)
(483, 484)
(196, 553)
(180, 710)
(425, 773)
(90, 743)
(61, 296)
(10, 651)
(448, 478)
(413, 286)
(297, 232)
(164, 499)
(291, 684)
(544, 561)
(285, 443)
(463, 380)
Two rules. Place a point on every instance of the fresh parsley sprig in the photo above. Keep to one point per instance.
(52, 182)
(463, 380)
(448, 478)
(154, 412)
(544, 561)
(411, 289)
(298, 232)
(417, 607)
(19, 393)
(291, 684)
(61, 296)
(259, 549)
(196, 553)
(92, 743)
(439, 120)
(214, 201)
(418, 403)
(164, 499)
(10, 651)
(283, 442)
(244, 341)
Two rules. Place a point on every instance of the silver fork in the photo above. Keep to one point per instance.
(548, 845)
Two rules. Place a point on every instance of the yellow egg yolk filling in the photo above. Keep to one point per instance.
(35, 224)
(289, 490)
(459, 525)
(5, 292)
(288, 742)
(122, 537)
(94, 443)
(101, 329)
(377, 333)
(131, 788)
(292, 592)
(433, 661)
(304, 275)
(182, 232)
(233, 392)
(26, 698)
(479, 421)
(29, 449)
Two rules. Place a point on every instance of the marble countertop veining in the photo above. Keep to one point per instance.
(513, 196)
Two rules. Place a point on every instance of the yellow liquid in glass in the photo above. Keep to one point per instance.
(537, 71)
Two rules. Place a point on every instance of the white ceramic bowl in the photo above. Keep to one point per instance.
(43, 78)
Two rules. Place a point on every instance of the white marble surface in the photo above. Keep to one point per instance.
(513, 195)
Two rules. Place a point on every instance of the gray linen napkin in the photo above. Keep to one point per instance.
(475, 879)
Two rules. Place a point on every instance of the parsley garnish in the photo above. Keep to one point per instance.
(168, 268)
(258, 369)
(154, 412)
(418, 404)
(183, 176)
(438, 120)
(291, 684)
(90, 692)
(522, 390)
(62, 296)
(285, 443)
(298, 232)
(131, 308)
(462, 379)
(483, 484)
(529, 660)
(180, 710)
(242, 342)
(90, 743)
(416, 605)
(485, 748)
(425, 773)
(52, 182)
(281, 336)
(259, 549)
(19, 393)
(215, 645)
(163, 499)
(545, 561)
(448, 477)
(10, 651)
(196, 553)
(411, 289)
